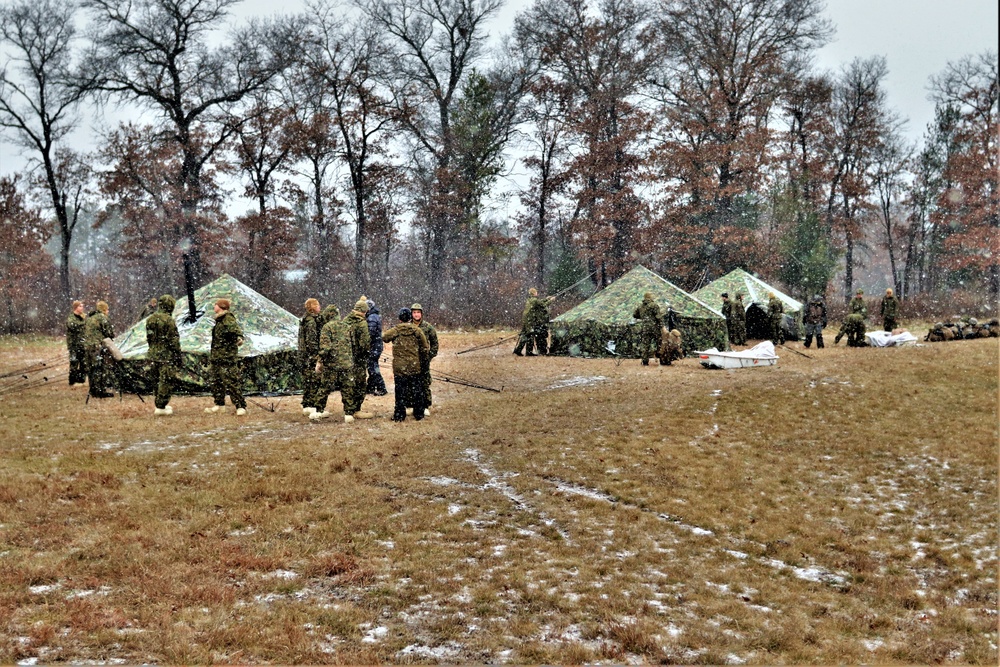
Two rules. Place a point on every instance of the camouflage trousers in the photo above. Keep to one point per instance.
(889, 323)
(312, 386)
(227, 378)
(649, 343)
(164, 374)
(533, 337)
(738, 334)
(99, 373)
(777, 336)
(77, 366)
(351, 385)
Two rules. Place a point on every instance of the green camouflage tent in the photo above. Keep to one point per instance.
(603, 325)
(755, 297)
(267, 356)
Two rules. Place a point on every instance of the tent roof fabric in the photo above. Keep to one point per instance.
(267, 327)
(615, 304)
(739, 281)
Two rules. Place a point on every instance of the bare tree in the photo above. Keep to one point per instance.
(158, 54)
(435, 44)
(39, 94)
(890, 164)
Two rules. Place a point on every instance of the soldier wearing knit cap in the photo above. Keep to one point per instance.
(225, 375)
(889, 310)
(417, 312)
(343, 357)
(309, 328)
(409, 350)
(164, 352)
(74, 344)
(95, 330)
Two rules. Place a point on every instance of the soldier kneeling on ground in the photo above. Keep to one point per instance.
(670, 347)
(854, 328)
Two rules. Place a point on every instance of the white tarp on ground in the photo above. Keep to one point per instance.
(761, 354)
(887, 339)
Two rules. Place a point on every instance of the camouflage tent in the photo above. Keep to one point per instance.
(267, 356)
(603, 325)
(755, 297)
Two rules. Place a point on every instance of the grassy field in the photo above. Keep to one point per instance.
(838, 509)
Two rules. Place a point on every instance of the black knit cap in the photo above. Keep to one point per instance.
(405, 315)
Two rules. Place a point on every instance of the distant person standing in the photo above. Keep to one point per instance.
(857, 305)
(147, 310)
(360, 342)
(815, 320)
(727, 312)
(534, 325)
(164, 352)
(96, 329)
(417, 312)
(409, 350)
(775, 313)
(739, 333)
(224, 360)
(309, 328)
(376, 383)
(890, 310)
(650, 318)
(75, 324)
(343, 361)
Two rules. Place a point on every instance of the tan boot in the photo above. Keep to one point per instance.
(363, 415)
(215, 408)
(316, 416)
(169, 409)
(348, 419)
(427, 412)
(240, 412)
(308, 411)
(160, 412)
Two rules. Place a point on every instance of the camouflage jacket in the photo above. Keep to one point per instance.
(890, 307)
(727, 309)
(775, 308)
(650, 316)
(360, 339)
(334, 346)
(814, 313)
(74, 332)
(226, 339)
(858, 306)
(161, 334)
(536, 312)
(309, 328)
(432, 337)
(97, 328)
(409, 348)
(739, 312)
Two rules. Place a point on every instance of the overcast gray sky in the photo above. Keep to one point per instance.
(918, 38)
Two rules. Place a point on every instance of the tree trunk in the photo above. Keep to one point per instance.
(848, 266)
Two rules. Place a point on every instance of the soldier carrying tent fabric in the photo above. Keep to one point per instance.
(95, 330)
(75, 324)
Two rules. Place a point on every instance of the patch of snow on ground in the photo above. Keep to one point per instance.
(375, 635)
(567, 487)
(444, 652)
(281, 574)
(454, 509)
(443, 481)
(577, 381)
(872, 644)
(42, 589)
(733, 659)
(817, 574)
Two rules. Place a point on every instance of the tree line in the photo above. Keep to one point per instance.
(371, 140)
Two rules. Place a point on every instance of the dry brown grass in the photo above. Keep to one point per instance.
(840, 509)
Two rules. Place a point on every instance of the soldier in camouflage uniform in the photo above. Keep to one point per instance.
(670, 347)
(775, 313)
(147, 310)
(814, 320)
(343, 358)
(224, 359)
(417, 312)
(854, 328)
(75, 324)
(889, 310)
(410, 349)
(738, 334)
(309, 328)
(650, 322)
(534, 325)
(164, 352)
(95, 330)
(727, 312)
(857, 304)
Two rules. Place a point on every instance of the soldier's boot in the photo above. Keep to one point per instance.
(316, 416)
(240, 412)
(348, 419)
(809, 340)
(308, 411)
(409, 411)
(215, 408)
(427, 412)
(836, 339)
(819, 342)
(160, 412)
(363, 415)
(645, 362)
